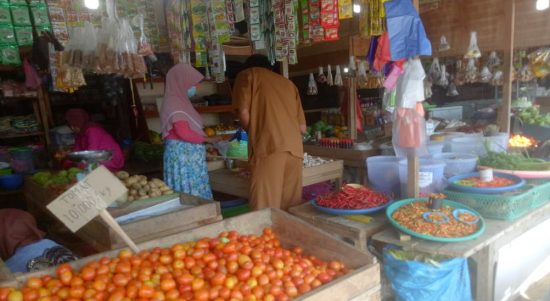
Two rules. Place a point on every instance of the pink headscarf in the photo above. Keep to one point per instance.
(176, 105)
(77, 118)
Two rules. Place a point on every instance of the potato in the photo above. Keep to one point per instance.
(152, 184)
(122, 175)
(131, 180)
(143, 182)
(136, 186)
(143, 197)
(164, 188)
(131, 198)
(146, 187)
(168, 192)
(132, 192)
(142, 192)
(156, 191)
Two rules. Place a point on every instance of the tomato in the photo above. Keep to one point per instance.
(77, 291)
(197, 284)
(120, 280)
(146, 291)
(202, 295)
(172, 294)
(65, 277)
(243, 274)
(185, 279)
(189, 262)
(230, 282)
(232, 267)
(167, 285)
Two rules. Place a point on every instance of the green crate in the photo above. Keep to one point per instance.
(234, 211)
(506, 206)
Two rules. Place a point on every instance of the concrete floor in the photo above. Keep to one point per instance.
(537, 291)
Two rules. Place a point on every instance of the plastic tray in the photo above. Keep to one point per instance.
(348, 211)
(519, 182)
(526, 174)
(396, 205)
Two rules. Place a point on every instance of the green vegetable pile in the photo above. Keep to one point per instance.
(513, 161)
(532, 115)
(148, 152)
(47, 178)
(417, 256)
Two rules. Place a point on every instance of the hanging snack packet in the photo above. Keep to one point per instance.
(443, 44)
(525, 74)
(452, 91)
(9, 55)
(20, 15)
(23, 34)
(40, 14)
(473, 51)
(540, 62)
(498, 78)
(5, 16)
(7, 36)
(471, 71)
(321, 78)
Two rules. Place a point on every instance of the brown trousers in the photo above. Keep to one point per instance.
(276, 181)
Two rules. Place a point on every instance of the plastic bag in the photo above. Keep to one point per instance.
(525, 74)
(473, 51)
(362, 74)
(460, 73)
(428, 89)
(493, 59)
(435, 71)
(443, 44)
(321, 78)
(330, 80)
(410, 86)
(444, 79)
(498, 78)
(311, 85)
(471, 71)
(539, 60)
(409, 132)
(485, 75)
(452, 91)
(428, 279)
(338, 77)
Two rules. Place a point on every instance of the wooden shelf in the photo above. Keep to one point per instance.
(151, 114)
(20, 135)
(216, 109)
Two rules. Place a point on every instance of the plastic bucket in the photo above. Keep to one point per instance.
(383, 174)
(456, 164)
(431, 175)
(435, 147)
(476, 144)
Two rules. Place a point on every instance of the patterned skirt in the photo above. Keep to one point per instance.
(185, 168)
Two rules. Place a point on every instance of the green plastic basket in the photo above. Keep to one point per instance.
(506, 206)
(234, 211)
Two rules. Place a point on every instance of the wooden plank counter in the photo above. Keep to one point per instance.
(196, 212)
(483, 250)
(349, 230)
(361, 283)
(353, 158)
(225, 181)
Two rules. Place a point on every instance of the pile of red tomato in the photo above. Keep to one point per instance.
(229, 267)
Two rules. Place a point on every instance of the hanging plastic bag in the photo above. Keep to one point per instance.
(407, 35)
(89, 46)
(444, 79)
(460, 73)
(338, 77)
(473, 51)
(539, 60)
(32, 80)
(362, 75)
(410, 86)
(493, 59)
(485, 75)
(434, 74)
(471, 71)
(525, 74)
(330, 78)
(416, 276)
(393, 77)
(443, 44)
(452, 91)
(144, 48)
(312, 85)
(409, 132)
(382, 56)
(321, 78)
(428, 89)
(498, 78)
(373, 46)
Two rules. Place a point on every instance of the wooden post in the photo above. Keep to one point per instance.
(110, 221)
(504, 110)
(412, 160)
(352, 109)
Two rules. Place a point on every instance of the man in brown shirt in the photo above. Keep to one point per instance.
(271, 110)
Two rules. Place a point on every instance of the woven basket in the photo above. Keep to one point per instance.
(507, 206)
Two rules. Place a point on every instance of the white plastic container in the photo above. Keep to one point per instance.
(435, 147)
(476, 144)
(430, 179)
(383, 174)
(456, 164)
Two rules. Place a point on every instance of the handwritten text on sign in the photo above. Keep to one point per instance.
(82, 202)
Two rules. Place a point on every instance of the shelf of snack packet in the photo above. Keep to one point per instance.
(235, 180)
(345, 273)
(150, 209)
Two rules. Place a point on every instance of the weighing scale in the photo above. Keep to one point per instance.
(90, 158)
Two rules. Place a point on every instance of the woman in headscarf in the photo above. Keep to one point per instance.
(23, 246)
(91, 136)
(185, 167)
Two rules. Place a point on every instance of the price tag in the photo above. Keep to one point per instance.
(84, 201)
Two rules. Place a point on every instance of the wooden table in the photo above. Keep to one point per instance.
(348, 230)
(225, 181)
(482, 250)
(352, 158)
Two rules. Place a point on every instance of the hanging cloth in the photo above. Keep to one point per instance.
(407, 35)
(383, 55)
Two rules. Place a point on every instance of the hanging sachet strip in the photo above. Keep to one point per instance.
(345, 9)
(329, 19)
(304, 8)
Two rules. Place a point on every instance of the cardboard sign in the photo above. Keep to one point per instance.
(82, 202)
